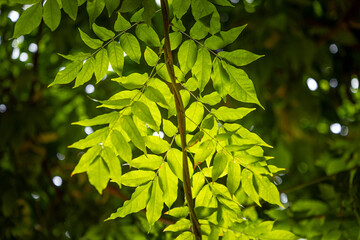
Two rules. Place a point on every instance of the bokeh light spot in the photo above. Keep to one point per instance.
(24, 57)
(33, 47)
(89, 89)
(3, 108)
(333, 48)
(88, 130)
(57, 181)
(312, 84)
(335, 128)
(333, 82)
(13, 15)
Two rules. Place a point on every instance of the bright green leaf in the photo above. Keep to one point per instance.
(197, 182)
(91, 42)
(199, 30)
(195, 112)
(132, 81)
(202, 68)
(101, 64)
(142, 111)
(185, 236)
(121, 146)
(220, 79)
(91, 140)
(205, 150)
(181, 225)
(68, 74)
(156, 96)
(187, 55)
(231, 114)
(94, 9)
(175, 40)
(206, 198)
(221, 161)
(137, 16)
(116, 57)
(150, 56)
(239, 57)
(113, 163)
(155, 204)
(211, 99)
(111, 5)
(148, 162)
(129, 127)
(129, 5)
(268, 190)
(121, 23)
(52, 14)
(215, 24)
(86, 159)
(98, 174)
(148, 35)
(169, 184)
(137, 177)
(169, 128)
(28, 21)
(174, 158)
(137, 202)
(179, 212)
(156, 144)
(223, 38)
(103, 33)
(79, 56)
(248, 185)
(225, 3)
(278, 235)
(85, 73)
(200, 8)
(234, 177)
(180, 7)
(131, 46)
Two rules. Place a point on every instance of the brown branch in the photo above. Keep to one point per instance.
(180, 113)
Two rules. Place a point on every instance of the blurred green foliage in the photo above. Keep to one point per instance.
(321, 188)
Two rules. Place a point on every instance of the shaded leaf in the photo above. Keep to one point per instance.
(52, 14)
(85, 73)
(147, 34)
(70, 7)
(94, 9)
(248, 185)
(111, 5)
(28, 21)
(121, 23)
(223, 38)
(68, 74)
(129, 5)
(180, 7)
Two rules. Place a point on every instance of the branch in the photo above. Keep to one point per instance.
(180, 113)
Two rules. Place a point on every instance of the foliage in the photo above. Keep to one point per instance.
(300, 135)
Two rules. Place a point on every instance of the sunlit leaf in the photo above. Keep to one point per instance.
(268, 190)
(142, 111)
(185, 236)
(169, 184)
(231, 114)
(215, 24)
(131, 46)
(156, 144)
(147, 34)
(248, 185)
(279, 235)
(197, 181)
(150, 56)
(98, 120)
(148, 162)
(98, 174)
(174, 159)
(205, 150)
(129, 127)
(103, 33)
(200, 8)
(90, 42)
(221, 161)
(234, 177)
(220, 79)
(199, 30)
(155, 204)
(194, 115)
(187, 55)
(205, 198)
(175, 40)
(52, 14)
(101, 64)
(223, 38)
(116, 57)
(85, 73)
(113, 163)
(181, 225)
(169, 128)
(121, 146)
(137, 202)
(239, 57)
(121, 23)
(28, 21)
(86, 159)
(180, 7)
(156, 96)
(132, 81)
(91, 140)
(137, 177)
(179, 212)
(211, 99)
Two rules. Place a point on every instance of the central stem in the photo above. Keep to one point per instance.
(180, 110)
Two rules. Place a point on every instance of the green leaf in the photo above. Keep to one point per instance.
(148, 35)
(92, 139)
(101, 64)
(129, 127)
(221, 161)
(24, 1)
(268, 190)
(131, 46)
(94, 9)
(90, 42)
(121, 23)
(174, 158)
(142, 111)
(199, 30)
(137, 202)
(79, 56)
(71, 8)
(248, 185)
(132, 81)
(169, 128)
(98, 174)
(86, 159)
(156, 144)
(155, 95)
(28, 21)
(185, 236)
(215, 24)
(278, 235)
(220, 79)
(163, 73)
(187, 55)
(111, 5)
(116, 56)
(113, 163)
(234, 177)
(137, 17)
(202, 68)
(197, 182)
(68, 74)
(224, 3)
(169, 184)
(121, 146)
(85, 73)
(195, 112)
(150, 56)
(205, 150)
(181, 225)
(148, 162)
(155, 204)
(178, 212)
(206, 198)
(102, 32)
(239, 57)
(129, 5)
(177, 25)
(175, 40)
(223, 38)
(98, 120)
(211, 99)
(231, 114)
(200, 8)
(242, 87)
(246, 134)
(180, 7)
(116, 103)
(52, 14)
(137, 178)
(149, 10)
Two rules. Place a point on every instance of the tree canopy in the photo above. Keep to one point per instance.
(305, 76)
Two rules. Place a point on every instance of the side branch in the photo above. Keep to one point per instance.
(180, 110)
